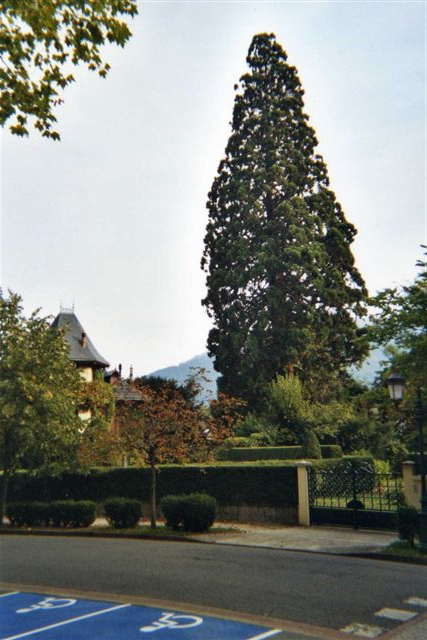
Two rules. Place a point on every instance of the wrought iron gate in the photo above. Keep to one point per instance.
(351, 493)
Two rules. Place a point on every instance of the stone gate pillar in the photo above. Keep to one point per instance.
(411, 485)
(303, 493)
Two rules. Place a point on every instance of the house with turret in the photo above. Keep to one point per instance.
(81, 349)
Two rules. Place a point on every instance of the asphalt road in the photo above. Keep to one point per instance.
(317, 589)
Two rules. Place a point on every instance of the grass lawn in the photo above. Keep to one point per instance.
(403, 550)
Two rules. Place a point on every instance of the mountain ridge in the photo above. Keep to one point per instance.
(180, 372)
(183, 370)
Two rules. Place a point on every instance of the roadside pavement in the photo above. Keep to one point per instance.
(321, 539)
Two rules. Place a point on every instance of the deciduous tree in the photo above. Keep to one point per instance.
(40, 40)
(166, 427)
(39, 391)
(282, 285)
(399, 320)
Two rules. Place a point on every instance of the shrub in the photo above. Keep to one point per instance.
(408, 523)
(123, 513)
(172, 509)
(238, 453)
(27, 514)
(311, 447)
(193, 512)
(199, 513)
(60, 513)
(70, 513)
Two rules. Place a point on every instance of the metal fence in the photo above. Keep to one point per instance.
(354, 494)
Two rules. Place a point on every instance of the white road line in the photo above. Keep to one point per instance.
(267, 634)
(363, 630)
(417, 602)
(11, 593)
(396, 614)
(70, 621)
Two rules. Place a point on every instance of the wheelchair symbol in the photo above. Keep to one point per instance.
(172, 621)
(48, 603)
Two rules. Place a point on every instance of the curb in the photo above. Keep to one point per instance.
(367, 555)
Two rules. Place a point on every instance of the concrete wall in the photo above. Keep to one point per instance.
(258, 515)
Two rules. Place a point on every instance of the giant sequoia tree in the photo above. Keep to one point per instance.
(283, 289)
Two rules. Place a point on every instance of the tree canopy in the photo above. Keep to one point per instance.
(39, 392)
(282, 285)
(165, 426)
(40, 40)
(399, 320)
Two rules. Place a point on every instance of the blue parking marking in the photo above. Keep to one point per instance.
(29, 615)
(23, 612)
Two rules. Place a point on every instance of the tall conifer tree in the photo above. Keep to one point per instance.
(282, 286)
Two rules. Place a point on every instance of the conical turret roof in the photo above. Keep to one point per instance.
(81, 351)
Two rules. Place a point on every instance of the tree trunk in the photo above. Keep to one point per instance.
(3, 496)
(153, 489)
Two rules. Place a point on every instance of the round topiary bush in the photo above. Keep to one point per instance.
(172, 509)
(200, 512)
(123, 513)
(193, 512)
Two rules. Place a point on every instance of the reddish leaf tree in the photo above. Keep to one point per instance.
(165, 427)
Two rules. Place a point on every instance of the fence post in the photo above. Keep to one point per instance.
(303, 493)
(411, 484)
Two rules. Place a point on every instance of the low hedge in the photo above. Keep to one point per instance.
(195, 512)
(241, 454)
(270, 485)
(123, 513)
(60, 513)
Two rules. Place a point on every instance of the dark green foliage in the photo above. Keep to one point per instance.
(171, 507)
(123, 513)
(199, 512)
(60, 513)
(400, 319)
(70, 513)
(27, 514)
(358, 462)
(408, 523)
(254, 484)
(311, 448)
(241, 454)
(39, 426)
(283, 289)
(194, 512)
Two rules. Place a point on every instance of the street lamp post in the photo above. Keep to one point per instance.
(395, 386)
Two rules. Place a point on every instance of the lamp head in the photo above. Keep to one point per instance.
(396, 384)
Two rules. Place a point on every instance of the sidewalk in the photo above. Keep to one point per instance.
(338, 540)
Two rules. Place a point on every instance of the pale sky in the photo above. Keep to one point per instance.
(112, 218)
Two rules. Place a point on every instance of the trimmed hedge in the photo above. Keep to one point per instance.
(270, 485)
(194, 512)
(123, 513)
(241, 454)
(60, 513)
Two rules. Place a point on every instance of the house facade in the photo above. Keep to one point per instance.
(81, 349)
